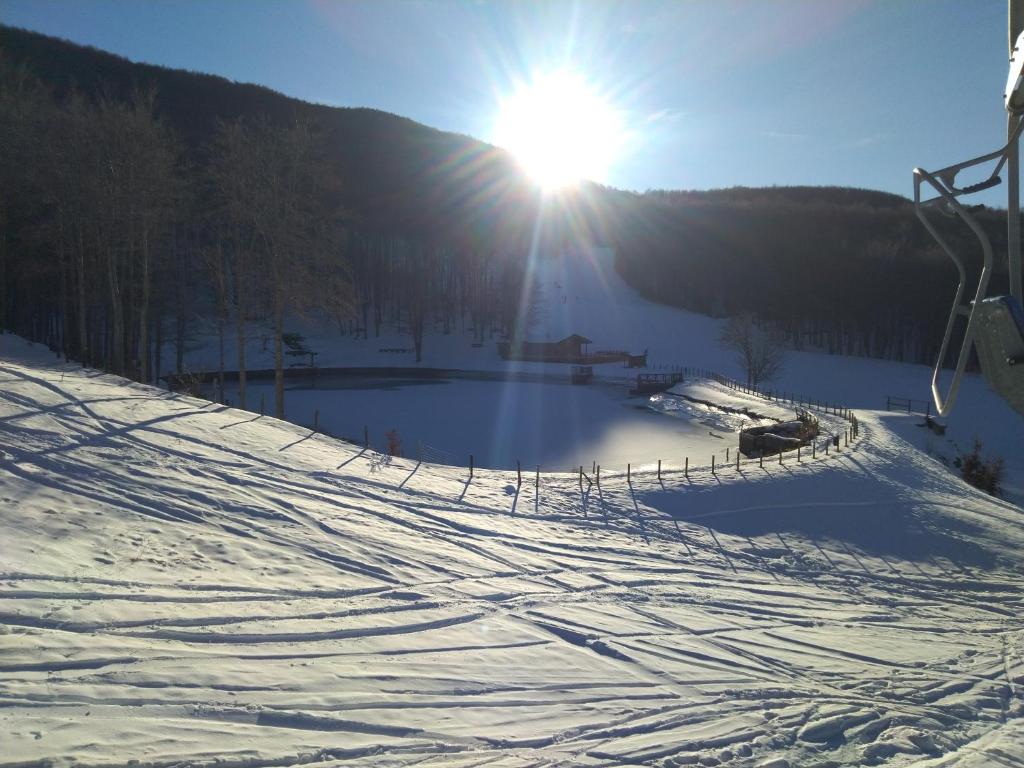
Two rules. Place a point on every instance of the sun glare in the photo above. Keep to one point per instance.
(560, 129)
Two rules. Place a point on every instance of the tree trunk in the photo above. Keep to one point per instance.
(4, 295)
(240, 335)
(220, 367)
(158, 344)
(144, 313)
(83, 328)
(278, 356)
(117, 331)
(417, 338)
(65, 301)
(179, 340)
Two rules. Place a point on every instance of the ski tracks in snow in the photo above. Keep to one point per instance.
(181, 584)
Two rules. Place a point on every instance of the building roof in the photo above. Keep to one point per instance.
(577, 338)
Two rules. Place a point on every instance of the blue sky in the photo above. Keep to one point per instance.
(714, 93)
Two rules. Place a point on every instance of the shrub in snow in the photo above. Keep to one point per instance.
(394, 443)
(983, 473)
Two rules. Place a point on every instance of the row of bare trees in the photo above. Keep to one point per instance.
(116, 236)
(92, 187)
(419, 286)
(277, 245)
(103, 217)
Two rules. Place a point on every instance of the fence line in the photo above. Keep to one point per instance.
(577, 491)
(818, 447)
(908, 404)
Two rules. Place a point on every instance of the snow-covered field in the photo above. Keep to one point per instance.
(584, 294)
(558, 426)
(183, 583)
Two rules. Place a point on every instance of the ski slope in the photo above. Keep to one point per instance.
(185, 583)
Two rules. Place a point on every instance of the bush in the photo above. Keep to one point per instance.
(394, 443)
(983, 473)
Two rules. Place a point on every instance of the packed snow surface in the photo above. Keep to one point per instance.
(186, 583)
(556, 425)
(581, 292)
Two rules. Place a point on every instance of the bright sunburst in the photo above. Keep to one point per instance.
(560, 129)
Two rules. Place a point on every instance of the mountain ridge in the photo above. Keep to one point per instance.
(43, 54)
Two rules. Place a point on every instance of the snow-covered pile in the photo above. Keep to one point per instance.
(719, 407)
(184, 583)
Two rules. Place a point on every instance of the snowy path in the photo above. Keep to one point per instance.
(184, 582)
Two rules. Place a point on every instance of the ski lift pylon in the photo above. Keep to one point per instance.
(995, 325)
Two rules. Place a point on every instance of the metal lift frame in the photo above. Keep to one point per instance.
(946, 201)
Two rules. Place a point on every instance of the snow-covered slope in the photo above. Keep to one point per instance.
(184, 583)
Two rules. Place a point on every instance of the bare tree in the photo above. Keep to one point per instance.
(273, 183)
(759, 352)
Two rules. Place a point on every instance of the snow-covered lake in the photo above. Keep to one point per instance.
(558, 426)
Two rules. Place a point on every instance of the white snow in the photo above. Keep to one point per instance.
(186, 583)
(584, 294)
(558, 426)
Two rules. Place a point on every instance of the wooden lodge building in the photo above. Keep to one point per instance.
(571, 349)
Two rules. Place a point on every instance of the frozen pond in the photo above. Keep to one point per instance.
(559, 426)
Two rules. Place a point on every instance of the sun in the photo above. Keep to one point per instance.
(560, 129)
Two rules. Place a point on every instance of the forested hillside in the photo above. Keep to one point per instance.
(134, 199)
(845, 270)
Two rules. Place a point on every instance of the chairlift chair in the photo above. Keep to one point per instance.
(995, 325)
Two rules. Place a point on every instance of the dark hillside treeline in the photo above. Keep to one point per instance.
(394, 173)
(847, 271)
(124, 217)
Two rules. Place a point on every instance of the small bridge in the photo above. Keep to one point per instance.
(650, 383)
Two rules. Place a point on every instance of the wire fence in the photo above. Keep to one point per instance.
(592, 495)
(839, 433)
(908, 404)
(603, 496)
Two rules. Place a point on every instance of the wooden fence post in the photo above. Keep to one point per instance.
(597, 475)
(814, 449)
(659, 470)
(798, 454)
(581, 478)
(712, 463)
(760, 461)
(471, 466)
(519, 474)
(737, 461)
(629, 476)
(686, 467)
(536, 481)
